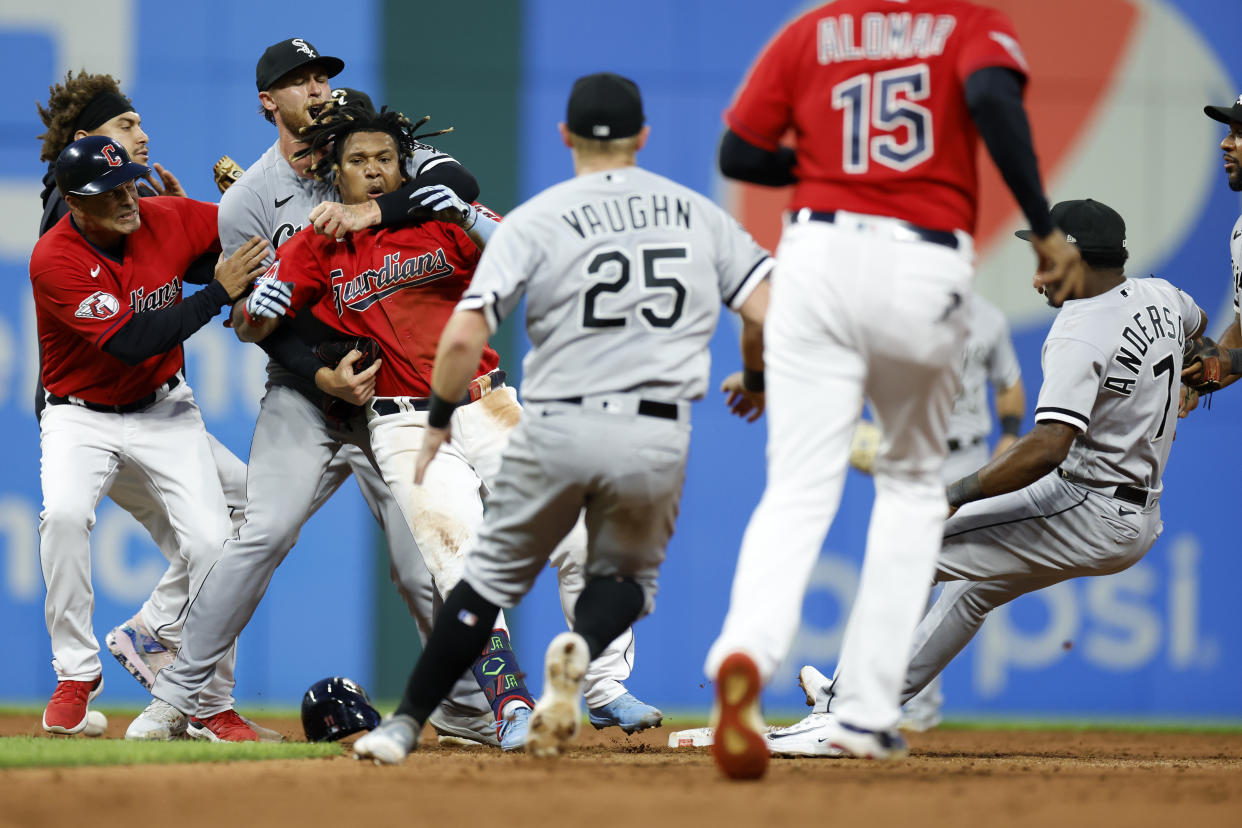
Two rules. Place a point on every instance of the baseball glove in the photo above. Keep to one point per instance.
(1205, 364)
(225, 172)
(331, 351)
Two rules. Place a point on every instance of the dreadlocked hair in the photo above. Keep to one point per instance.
(325, 139)
(65, 103)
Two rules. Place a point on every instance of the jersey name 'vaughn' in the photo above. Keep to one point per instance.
(634, 212)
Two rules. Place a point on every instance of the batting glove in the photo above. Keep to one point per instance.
(438, 199)
(270, 298)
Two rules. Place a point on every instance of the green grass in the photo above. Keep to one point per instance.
(42, 752)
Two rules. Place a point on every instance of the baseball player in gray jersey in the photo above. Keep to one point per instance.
(272, 200)
(1080, 493)
(623, 272)
(1224, 358)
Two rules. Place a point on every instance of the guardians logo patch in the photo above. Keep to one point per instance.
(370, 286)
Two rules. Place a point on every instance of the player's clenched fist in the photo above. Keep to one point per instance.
(270, 298)
(331, 218)
(238, 271)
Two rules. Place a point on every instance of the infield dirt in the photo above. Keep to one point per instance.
(953, 778)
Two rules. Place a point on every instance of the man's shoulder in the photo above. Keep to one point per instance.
(60, 245)
(260, 176)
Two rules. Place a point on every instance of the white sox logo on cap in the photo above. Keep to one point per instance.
(98, 305)
(304, 47)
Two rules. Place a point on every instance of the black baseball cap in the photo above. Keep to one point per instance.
(282, 58)
(605, 106)
(344, 96)
(1096, 228)
(1225, 114)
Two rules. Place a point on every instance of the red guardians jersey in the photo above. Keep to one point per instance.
(397, 285)
(873, 91)
(83, 296)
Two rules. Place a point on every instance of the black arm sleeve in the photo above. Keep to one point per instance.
(994, 96)
(159, 331)
(395, 206)
(291, 352)
(202, 270)
(744, 161)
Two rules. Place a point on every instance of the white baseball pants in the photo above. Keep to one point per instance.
(82, 452)
(860, 308)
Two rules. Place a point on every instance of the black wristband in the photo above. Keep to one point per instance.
(439, 411)
(1011, 425)
(964, 490)
(1235, 360)
(752, 380)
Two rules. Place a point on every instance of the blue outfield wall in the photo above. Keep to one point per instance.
(1157, 640)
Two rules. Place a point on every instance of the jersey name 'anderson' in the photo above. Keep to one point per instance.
(634, 212)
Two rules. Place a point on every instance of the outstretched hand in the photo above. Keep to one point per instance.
(168, 185)
(331, 218)
(742, 403)
(1060, 267)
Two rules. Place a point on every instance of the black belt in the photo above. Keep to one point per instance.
(942, 237)
(1130, 494)
(648, 408)
(954, 445)
(127, 408)
(479, 386)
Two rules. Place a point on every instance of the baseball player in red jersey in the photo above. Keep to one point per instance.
(887, 101)
(107, 288)
(399, 286)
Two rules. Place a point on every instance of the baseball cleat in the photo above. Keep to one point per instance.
(625, 712)
(160, 721)
(225, 726)
(511, 730)
(464, 729)
(138, 651)
(66, 711)
(860, 743)
(738, 745)
(802, 738)
(817, 687)
(389, 744)
(558, 712)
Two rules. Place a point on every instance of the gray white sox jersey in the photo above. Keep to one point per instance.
(270, 198)
(989, 358)
(1112, 364)
(1235, 256)
(624, 272)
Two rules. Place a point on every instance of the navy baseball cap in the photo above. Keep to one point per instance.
(1225, 114)
(605, 106)
(1097, 229)
(93, 165)
(281, 58)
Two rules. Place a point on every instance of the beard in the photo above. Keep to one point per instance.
(295, 118)
(1235, 180)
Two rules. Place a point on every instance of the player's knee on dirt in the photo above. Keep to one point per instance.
(607, 608)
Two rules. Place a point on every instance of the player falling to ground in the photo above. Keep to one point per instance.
(107, 291)
(89, 104)
(1217, 364)
(619, 312)
(887, 102)
(989, 359)
(1077, 495)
